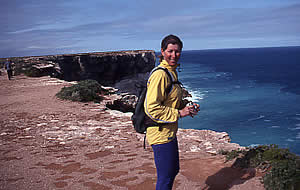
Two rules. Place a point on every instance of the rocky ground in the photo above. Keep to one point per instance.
(47, 143)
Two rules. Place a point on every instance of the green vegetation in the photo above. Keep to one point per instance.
(230, 155)
(84, 91)
(282, 167)
(30, 71)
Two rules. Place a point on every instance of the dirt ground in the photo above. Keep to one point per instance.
(47, 143)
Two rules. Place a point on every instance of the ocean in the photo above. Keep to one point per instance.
(253, 94)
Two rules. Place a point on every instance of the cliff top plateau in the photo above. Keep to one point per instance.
(47, 143)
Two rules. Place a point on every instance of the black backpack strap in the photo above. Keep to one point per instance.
(177, 82)
(169, 88)
(145, 141)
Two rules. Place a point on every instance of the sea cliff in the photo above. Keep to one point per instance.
(121, 68)
(51, 143)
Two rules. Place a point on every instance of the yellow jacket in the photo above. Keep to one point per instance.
(162, 107)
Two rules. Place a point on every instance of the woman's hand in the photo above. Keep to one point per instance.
(190, 110)
(194, 110)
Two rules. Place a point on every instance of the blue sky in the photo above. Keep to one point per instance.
(39, 27)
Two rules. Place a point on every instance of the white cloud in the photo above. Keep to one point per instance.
(102, 24)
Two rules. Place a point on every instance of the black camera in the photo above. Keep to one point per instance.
(194, 106)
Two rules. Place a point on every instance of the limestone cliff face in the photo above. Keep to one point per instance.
(108, 68)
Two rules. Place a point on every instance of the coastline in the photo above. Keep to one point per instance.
(53, 144)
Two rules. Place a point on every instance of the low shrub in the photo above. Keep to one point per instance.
(32, 72)
(84, 91)
(282, 167)
(230, 155)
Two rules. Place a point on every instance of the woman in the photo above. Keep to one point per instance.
(166, 109)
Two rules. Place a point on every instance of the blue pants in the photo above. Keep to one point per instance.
(166, 159)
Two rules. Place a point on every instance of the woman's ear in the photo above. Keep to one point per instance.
(162, 52)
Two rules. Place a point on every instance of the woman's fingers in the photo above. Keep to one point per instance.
(194, 109)
(190, 110)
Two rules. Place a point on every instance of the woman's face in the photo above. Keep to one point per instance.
(171, 54)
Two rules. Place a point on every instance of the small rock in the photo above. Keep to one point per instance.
(28, 137)
(109, 147)
(194, 148)
(212, 152)
(73, 127)
(209, 147)
(207, 144)
(41, 124)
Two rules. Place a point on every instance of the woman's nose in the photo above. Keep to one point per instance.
(173, 54)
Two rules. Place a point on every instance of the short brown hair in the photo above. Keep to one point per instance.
(170, 39)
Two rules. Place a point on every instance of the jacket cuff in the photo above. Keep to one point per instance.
(178, 116)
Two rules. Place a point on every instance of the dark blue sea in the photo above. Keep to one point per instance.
(252, 94)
